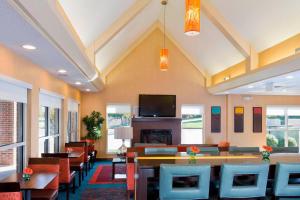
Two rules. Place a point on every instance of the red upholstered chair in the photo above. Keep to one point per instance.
(66, 176)
(130, 171)
(45, 165)
(76, 164)
(91, 151)
(10, 191)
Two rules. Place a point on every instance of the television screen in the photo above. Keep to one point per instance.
(157, 105)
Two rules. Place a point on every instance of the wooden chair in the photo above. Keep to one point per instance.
(10, 191)
(76, 164)
(45, 165)
(66, 176)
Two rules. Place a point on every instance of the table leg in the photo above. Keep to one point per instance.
(113, 171)
(27, 194)
(142, 182)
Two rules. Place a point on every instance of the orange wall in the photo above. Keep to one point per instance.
(139, 73)
(19, 68)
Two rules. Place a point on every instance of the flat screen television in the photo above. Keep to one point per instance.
(157, 105)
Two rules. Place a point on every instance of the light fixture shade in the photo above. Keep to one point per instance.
(192, 17)
(164, 62)
(124, 132)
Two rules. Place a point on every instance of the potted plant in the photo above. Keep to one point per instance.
(93, 124)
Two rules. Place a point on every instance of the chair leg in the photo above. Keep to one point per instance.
(79, 177)
(82, 174)
(74, 185)
(86, 168)
(67, 191)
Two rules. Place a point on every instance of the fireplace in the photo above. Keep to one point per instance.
(163, 136)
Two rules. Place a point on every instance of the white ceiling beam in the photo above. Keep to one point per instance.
(117, 26)
(284, 66)
(240, 43)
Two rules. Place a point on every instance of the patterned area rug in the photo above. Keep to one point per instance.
(103, 175)
(104, 194)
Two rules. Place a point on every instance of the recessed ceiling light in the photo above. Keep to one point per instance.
(88, 90)
(28, 47)
(226, 78)
(289, 77)
(62, 71)
(77, 83)
(250, 86)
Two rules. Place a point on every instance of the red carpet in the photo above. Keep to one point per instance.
(104, 172)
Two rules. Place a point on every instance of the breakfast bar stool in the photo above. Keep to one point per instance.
(230, 171)
(170, 171)
(283, 186)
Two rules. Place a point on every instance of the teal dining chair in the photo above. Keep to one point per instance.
(229, 172)
(283, 183)
(170, 171)
(234, 149)
(285, 150)
(207, 150)
(160, 150)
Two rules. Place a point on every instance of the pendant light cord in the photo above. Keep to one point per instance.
(164, 26)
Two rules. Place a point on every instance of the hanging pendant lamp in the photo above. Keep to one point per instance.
(164, 53)
(192, 17)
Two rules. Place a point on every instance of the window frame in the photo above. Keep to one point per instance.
(107, 129)
(48, 136)
(203, 119)
(20, 146)
(286, 126)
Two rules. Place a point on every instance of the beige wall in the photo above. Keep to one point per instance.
(16, 67)
(248, 138)
(139, 73)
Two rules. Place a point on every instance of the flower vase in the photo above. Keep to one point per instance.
(26, 177)
(192, 158)
(266, 156)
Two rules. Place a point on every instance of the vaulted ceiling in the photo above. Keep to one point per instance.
(261, 23)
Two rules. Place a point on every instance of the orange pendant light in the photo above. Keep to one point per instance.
(164, 62)
(192, 17)
(164, 53)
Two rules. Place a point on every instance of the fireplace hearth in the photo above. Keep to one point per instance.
(158, 136)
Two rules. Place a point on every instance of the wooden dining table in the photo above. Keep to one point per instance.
(74, 154)
(147, 166)
(38, 181)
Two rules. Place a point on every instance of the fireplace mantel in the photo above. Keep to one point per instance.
(171, 123)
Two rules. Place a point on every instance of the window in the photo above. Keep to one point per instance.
(49, 127)
(117, 115)
(283, 126)
(72, 126)
(72, 129)
(12, 141)
(192, 124)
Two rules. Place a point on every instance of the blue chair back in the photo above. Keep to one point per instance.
(207, 150)
(244, 149)
(148, 144)
(282, 187)
(285, 150)
(160, 150)
(169, 171)
(230, 171)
